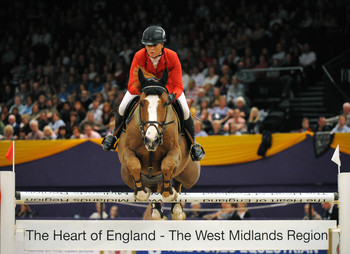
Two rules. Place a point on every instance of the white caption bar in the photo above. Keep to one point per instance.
(175, 235)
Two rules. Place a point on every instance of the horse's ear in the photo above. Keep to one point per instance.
(164, 79)
(142, 78)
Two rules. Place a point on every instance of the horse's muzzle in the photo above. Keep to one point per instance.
(151, 145)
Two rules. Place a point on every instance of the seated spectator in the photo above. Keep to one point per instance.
(261, 65)
(215, 98)
(89, 133)
(35, 133)
(305, 125)
(242, 212)
(232, 130)
(308, 62)
(17, 104)
(80, 110)
(206, 123)
(106, 113)
(76, 133)
(227, 211)
(96, 111)
(100, 213)
(331, 211)
(204, 105)
(48, 133)
(219, 112)
(234, 116)
(197, 76)
(43, 119)
(25, 124)
(113, 212)
(198, 129)
(56, 122)
(254, 122)
(24, 212)
(242, 106)
(12, 121)
(213, 78)
(195, 212)
(341, 126)
(22, 134)
(345, 111)
(192, 90)
(234, 91)
(8, 133)
(73, 121)
(27, 108)
(243, 77)
(223, 84)
(96, 126)
(217, 130)
(321, 125)
(62, 133)
(314, 214)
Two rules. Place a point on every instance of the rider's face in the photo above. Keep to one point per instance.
(154, 50)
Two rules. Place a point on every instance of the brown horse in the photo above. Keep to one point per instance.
(153, 153)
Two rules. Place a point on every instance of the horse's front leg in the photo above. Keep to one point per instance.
(133, 164)
(169, 163)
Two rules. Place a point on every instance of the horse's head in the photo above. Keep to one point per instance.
(153, 109)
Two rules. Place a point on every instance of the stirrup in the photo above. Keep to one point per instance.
(199, 156)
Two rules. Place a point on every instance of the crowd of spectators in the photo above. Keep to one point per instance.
(65, 65)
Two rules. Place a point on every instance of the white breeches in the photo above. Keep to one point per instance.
(128, 97)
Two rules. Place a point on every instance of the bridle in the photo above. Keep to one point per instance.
(162, 124)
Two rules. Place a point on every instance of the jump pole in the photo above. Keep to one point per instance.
(7, 212)
(128, 197)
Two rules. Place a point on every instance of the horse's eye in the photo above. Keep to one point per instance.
(141, 103)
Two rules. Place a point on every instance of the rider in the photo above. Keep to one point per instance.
(153, 59)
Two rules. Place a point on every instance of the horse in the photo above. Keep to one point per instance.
(153, 153)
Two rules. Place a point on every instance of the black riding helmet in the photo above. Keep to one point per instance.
(153, 35)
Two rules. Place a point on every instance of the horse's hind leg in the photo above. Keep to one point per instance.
(157, 211)
(154, 212)
(177, 212)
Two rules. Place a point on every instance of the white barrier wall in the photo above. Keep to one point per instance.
(7, 212)
(344, 212)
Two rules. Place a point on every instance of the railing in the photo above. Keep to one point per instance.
(336, 71)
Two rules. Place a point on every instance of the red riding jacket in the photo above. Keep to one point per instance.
(168, 60)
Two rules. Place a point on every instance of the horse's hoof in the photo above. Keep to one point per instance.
(181, 216)
(156, 215)
(170, 197)
(142, 195)
(177, 212)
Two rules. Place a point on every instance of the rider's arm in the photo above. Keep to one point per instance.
(175, 84)
(134, 84)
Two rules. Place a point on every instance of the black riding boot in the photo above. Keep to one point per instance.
(109, 142)
(197, 151)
